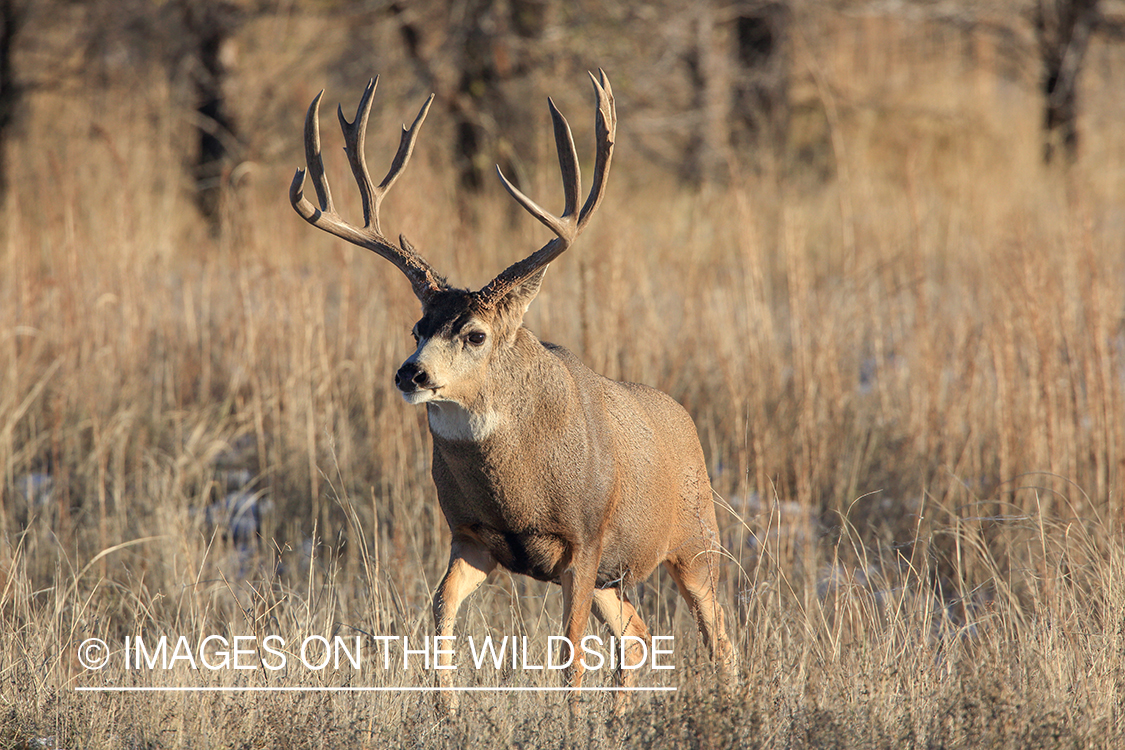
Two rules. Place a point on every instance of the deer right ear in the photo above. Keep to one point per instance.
(520, 296)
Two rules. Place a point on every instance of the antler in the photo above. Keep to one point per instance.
(568, 226)
(422, 276)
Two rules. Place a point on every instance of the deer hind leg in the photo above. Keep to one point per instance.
(614, 609)
(469, 564)
(695, 576)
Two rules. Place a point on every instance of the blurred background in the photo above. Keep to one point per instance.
(875, 248)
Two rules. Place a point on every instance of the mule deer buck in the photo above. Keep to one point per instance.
(541, 465)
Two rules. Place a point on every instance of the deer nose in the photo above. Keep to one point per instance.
(411, 377)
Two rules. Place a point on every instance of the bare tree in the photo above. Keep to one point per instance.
(737, 65)
(33, 37)
(708, 70)
(207, 54)
(12, 15)
(194, 42)
(1063, 28)
(760, 103)
(480, 60)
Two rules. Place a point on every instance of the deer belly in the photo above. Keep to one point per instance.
(535, 555)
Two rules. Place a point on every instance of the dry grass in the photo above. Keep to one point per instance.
(908, 382)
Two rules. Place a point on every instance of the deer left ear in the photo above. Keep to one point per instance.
(520, 296)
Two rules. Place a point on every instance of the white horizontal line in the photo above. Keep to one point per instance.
(397, 689)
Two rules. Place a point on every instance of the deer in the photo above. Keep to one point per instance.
(542, 466)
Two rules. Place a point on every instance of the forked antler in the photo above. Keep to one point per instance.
(571, 223)
(422, 276)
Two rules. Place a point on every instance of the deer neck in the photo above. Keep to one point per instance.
(454, 422)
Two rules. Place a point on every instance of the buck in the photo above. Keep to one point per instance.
(541, 465)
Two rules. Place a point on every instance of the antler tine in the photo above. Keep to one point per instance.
(568, 226)
(421, 275)
(606, 133)
(405, 149)
(313, 156)
(355, 135)
(565, 225)
(568, 160)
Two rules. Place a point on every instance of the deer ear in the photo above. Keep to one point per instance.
(521, 295)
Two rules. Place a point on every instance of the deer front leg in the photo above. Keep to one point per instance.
(578, 593)
(469, 564)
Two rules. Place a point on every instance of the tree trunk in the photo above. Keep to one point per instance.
(10, 17)
(211, 26)
(760, 111)
(1063, 28)
(707, 154)
(483, 70)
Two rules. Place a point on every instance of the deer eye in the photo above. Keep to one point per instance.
(476, 338)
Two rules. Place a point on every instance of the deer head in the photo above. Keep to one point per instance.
(461, 334)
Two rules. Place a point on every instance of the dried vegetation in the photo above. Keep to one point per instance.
(909, 379)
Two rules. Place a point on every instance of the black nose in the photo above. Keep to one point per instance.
(411, 377)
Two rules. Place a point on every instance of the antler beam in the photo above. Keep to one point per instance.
(570, 224)
(420, 273)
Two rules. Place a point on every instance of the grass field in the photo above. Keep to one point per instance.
(909, 382)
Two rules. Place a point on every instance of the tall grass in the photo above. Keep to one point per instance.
(908, 382)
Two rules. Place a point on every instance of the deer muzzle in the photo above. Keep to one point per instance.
(410, 378)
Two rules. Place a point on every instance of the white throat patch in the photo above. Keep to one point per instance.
(454, 422)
